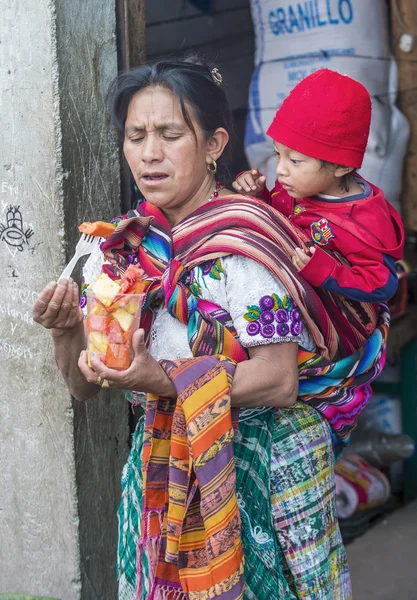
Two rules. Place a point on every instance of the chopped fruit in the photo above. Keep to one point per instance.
(99, 340)
(127, 335)
(114, 333)
(97, 322)
(92, 348)
(98, 309)
(118, 357)
(138, 287)
(105, 289)
(119, 302)
(98, 229)
(124, 318)
(132, 307)
(132, 275)
(113, 316)
(128, 302)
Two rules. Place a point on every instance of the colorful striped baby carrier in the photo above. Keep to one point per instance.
(190, 525)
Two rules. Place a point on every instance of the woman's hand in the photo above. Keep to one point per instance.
(144, 374)
(250, 182)
(57, 306)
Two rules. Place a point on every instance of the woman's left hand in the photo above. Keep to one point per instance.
(144, 374)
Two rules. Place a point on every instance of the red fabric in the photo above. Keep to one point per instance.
(326, 116)
(364, 230)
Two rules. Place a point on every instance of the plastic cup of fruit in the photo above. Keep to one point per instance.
(110, 325)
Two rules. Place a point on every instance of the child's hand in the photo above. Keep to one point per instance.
(300, 259)
(250, 182)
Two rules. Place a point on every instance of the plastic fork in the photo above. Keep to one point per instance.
(86, 244)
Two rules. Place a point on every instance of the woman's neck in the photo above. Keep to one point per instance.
(197, 199)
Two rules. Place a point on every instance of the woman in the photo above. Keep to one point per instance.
(222, 290)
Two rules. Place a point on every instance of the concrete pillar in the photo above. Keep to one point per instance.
(60, 460)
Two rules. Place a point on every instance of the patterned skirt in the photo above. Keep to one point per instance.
(286, 495)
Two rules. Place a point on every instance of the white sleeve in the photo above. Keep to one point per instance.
(91, 270)
(262, 310)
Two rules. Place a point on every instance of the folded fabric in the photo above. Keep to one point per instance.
(346, 497)
(190, 520)
(371, 486)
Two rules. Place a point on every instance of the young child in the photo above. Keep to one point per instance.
(320, 134)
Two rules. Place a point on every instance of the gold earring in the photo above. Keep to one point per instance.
(212, 167)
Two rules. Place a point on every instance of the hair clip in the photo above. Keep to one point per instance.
(217, 78)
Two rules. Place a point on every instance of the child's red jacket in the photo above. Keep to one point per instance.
(364, 228)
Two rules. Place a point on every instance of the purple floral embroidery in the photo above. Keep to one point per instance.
(207, 266)
(253, 328)
(296, 328)
(274, 316)
(295, 315)
(282, 329)
(83, 296)
(267, 331)
(267, 317)
(266, 303)
(282, 315)
(213, 268)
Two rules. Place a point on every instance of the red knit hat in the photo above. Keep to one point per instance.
(326, 116)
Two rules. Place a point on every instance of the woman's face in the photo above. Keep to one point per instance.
(168, 163)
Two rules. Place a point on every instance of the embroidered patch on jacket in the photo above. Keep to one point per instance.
(274, 316)
(298, 209)
(321, 232)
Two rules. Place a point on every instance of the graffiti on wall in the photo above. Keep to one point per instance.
(12, 231)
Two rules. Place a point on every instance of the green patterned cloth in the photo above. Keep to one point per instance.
(285, 484)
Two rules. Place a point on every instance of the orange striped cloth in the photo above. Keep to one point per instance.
(190, 530)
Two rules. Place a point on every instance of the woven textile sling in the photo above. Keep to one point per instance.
(190, 525)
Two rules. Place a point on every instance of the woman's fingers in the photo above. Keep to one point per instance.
(75, 314)
(42, 302)
(57, 305)
(90, 375)
(97, 370)
(53, 304)
(138, 343)
(75, 303)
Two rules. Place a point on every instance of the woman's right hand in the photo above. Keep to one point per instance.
(57, 306)
(250, 182)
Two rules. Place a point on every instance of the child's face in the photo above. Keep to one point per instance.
(303, 176)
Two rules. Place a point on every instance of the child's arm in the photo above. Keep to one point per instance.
(371, 276)
(252, 183)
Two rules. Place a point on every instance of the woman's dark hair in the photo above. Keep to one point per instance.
(192, 82)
